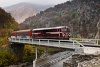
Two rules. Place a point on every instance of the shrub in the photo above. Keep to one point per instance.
(6, 57)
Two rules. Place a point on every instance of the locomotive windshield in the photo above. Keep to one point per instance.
(64, 29)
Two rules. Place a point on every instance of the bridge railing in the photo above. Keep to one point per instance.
(48, 42)
(96, 41)
(73, 42)
(92, 40)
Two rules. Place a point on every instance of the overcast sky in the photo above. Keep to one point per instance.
(5, 3)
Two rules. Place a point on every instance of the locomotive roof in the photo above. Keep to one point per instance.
(50, 28)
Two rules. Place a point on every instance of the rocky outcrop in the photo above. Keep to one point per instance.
(78, 60)
(92, 63)
(88, 17)
(98, 33)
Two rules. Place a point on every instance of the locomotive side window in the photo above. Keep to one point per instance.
(58, 30)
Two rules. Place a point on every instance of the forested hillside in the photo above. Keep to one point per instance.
(82, 16)
(7, 25)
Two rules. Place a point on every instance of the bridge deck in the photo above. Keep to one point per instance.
(80, 47)
(49, 42)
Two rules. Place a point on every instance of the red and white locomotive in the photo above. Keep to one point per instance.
(61, 32)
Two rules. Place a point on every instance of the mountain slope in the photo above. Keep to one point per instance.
(7, 21)
(81, 16)
(7, 25)
(21, 11)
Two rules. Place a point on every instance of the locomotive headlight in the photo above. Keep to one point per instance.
(64, 34)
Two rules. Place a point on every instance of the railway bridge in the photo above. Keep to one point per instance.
(87, 46)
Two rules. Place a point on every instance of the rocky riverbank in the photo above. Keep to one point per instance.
(78, 60)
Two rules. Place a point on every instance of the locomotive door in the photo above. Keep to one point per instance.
(45, 34)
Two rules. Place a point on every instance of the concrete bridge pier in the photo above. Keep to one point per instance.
(36, 56)
(18, 50)
(36, 50)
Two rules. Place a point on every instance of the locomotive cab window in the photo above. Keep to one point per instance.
(63, 29)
